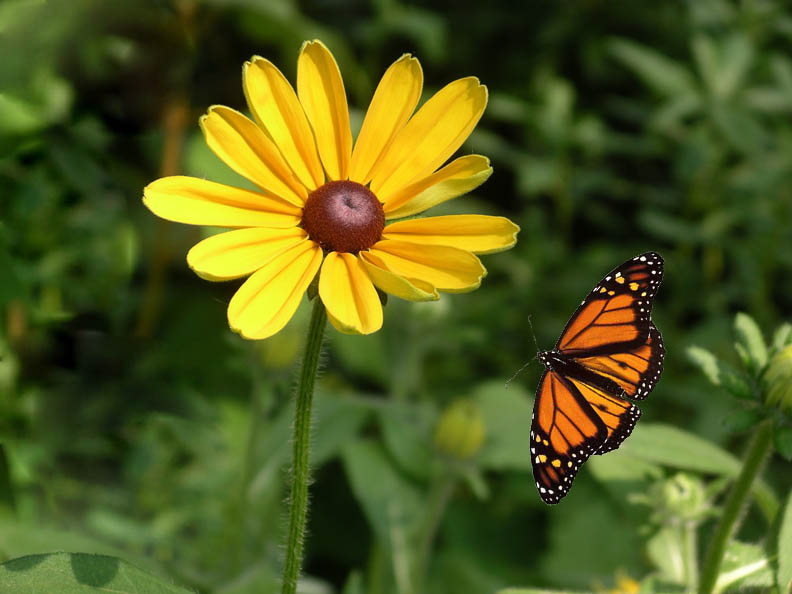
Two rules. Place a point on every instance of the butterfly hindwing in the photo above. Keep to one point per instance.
(636, 371)
(608, 352)
(565, 431)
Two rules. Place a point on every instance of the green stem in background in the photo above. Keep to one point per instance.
(298, 500)
(439, 496)
(690, 552)
(757, 452)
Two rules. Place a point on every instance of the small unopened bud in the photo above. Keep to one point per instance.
(778, 379)
(460, 431)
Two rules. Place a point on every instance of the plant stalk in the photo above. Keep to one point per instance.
(736, 501)
(298, 500)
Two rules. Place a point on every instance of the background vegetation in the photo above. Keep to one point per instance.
(133, 423)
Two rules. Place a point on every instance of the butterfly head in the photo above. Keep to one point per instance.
(550, 359)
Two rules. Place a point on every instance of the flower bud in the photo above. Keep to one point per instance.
(460, 431)
(778, 379)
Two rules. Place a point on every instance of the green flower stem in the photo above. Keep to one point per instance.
(757, 452)
(298, 500)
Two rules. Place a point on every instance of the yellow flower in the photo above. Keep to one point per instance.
(323, 204)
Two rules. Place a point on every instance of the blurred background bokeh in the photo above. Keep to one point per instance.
(134, 423)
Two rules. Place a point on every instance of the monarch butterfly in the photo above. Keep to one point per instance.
(609, 351)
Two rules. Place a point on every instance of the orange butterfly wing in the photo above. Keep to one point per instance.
(608, 351)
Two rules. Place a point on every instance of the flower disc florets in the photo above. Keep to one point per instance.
(343, 216)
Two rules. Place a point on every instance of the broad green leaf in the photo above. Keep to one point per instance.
(619, 466)
(79, 573)
(507, 418)
(750, 338)
(338, 420)
(407, 431)
(391, 504)
(19, 539)
(744, 566)
(664, 75)
(784, 575)
(670, 446)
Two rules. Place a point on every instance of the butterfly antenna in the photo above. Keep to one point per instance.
(533, 335)
(508, 381)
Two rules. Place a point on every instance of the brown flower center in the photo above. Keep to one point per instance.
(343, 216)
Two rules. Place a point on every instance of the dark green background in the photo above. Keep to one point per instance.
(134, 422)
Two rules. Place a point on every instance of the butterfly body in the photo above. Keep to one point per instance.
(609, 352)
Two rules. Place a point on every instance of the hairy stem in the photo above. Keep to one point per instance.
(736, 501)
(298, 500)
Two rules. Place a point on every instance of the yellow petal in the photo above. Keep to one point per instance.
(352, 303)
(200, 202)
(235, 254)
(321, 92)
(268, 299)
(392, 105)
(412, 289)
(479, 234)
(447, 268)
(275, 106)
(245, 148)
(459, 177)
(431, 136)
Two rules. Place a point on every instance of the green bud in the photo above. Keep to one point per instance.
(778, 380)
(681, 497)
(460, 431)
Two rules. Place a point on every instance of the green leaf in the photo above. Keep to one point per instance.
(723, 65)
(744, 566)
(750, 338)
(391, 504)
(670, 446)
(666, 550)
(407, 431)
(79, 573)
(720, 373)
(507, 417)
(622, 467)
(782, 438)
(354, 584)
(338, 420)
(784, 575)
(659, 72)
(706, 362)
(781, 337)
(741, 420)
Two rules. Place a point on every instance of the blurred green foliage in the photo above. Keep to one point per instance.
(134, 424)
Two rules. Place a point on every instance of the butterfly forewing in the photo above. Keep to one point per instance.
(617, 311)
(609, 350)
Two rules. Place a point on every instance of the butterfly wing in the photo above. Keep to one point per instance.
(565, 431)
(637, 370)
(620, 355)
(615, 317)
